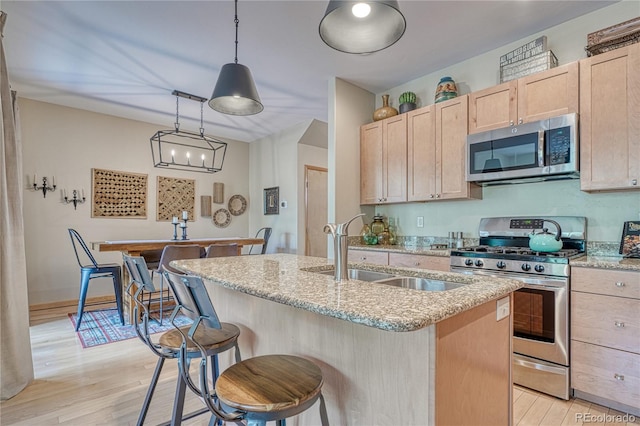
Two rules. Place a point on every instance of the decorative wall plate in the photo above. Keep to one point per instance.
(237, 205)
(222, 218)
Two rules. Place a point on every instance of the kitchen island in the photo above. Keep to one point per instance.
(388, 355)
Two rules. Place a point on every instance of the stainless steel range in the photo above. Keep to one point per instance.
(541, 307)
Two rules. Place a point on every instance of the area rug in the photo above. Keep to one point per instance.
(102, 327)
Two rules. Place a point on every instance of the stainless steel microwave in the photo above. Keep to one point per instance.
(546, 149)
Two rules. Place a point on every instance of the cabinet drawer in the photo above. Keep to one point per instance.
(606, 321)
(366, 256)
(607, 373)
(435, 263)
(606, 281)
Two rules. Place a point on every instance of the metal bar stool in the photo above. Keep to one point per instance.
(255, 391)
(212, 341)
(221, 250)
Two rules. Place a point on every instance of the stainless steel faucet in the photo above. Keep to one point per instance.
(340, 232)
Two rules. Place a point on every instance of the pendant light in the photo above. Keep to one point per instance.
(235, 92)
(362, 26)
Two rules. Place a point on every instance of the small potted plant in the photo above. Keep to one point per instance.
(407, 102)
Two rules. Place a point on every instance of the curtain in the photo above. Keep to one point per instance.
(15, 351)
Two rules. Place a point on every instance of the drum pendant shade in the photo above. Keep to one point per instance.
(343, 31)
(235, 92)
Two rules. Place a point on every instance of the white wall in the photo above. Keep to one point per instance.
(68, 143)
(605, 211)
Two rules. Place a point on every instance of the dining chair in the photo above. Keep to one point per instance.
(255, 391)
(91, 269)
(169, 254)
(168, 346)
(221, 250)
(265, 236)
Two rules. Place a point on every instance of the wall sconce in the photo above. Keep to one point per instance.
(45, 185)
(218, 192)
(75, 199)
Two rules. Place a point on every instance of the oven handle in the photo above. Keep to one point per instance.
(536, 366)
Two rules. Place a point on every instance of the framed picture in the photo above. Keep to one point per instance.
(630, 241)
(272, 200)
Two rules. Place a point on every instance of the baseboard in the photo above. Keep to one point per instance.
(99, 300)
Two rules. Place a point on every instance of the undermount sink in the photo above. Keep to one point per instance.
(362, 275)
(420, 283)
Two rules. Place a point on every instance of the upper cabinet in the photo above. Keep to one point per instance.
(535, 97)
(436, 144)
(610, 120)
(383, 161)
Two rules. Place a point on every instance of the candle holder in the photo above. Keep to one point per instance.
(184, 229)
(76, 199)
(45, 187)
(175, 231)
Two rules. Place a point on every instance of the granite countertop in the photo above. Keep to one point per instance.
(425, 251)
(292, 280)
(607, 262)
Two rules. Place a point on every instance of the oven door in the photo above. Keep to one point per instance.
(540, 315)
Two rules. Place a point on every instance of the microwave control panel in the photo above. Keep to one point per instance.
(559, 146)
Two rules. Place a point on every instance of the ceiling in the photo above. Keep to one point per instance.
(124, 58)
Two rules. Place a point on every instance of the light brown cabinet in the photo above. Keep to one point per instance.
(383, 161)
(368, 256)
(535, 97)
(434, 263)
(436, 145)
(610, 120)
(605, 337)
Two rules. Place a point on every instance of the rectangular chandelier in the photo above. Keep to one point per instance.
(183, 150)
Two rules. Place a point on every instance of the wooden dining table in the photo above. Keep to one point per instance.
(136, 247)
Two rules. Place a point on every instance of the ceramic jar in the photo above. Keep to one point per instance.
(385, 111)
(446, 89)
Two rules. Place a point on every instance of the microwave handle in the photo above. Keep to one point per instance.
(541, 150)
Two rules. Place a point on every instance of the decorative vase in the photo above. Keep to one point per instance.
(385, 111)
(446, 89)
(406, 107)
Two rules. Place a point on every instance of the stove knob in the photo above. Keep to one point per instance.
(526, 267)
(468, 262)
(539, 268)
(501, 265)
(479, 263)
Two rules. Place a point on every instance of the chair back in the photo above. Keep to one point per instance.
(177, 252)
(192, 297)
(221, 250)
(139, 272)
(267, 234)
(76, 240)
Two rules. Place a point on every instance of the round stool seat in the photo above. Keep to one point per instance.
(270, 387)
(210, 338)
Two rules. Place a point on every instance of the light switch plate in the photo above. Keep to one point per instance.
(420, 222)
(502, 308)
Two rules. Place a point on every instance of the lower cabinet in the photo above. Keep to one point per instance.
(605, 337)
(435, 263)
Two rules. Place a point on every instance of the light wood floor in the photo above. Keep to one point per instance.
(105, 385)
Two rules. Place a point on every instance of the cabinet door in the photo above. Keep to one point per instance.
(394, 159)
(451, 151)
(371, 163)
(610, 120)
(548, 93)
(421, 147)
(493, 108)
(435, 263)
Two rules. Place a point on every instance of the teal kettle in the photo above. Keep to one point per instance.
(545, 241)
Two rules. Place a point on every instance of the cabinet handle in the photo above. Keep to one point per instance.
(430, 195)
(619, 324)
(520, 121)
(510, 122)
(437, 195)
(634, 182)
(363, 258)
(416, 264)
(618, 376)
(619, 284)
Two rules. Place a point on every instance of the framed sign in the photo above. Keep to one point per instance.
(630, 241)
(272, 200)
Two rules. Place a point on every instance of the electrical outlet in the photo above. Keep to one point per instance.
(420, 222)
(502, 308)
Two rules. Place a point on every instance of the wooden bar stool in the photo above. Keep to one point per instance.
(257, 390)
(213, 340)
